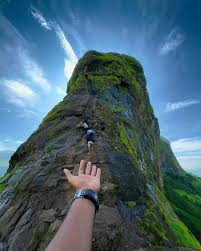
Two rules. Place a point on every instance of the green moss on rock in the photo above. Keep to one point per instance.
(48, 149)
(37, 236)
(130, 203)
(160, 220)
(54, 113)
(104, 70)
(129, 143)
(2, 186)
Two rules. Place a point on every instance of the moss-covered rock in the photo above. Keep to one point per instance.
(109, 90)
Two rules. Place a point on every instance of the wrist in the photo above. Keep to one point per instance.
(83, 202)
(87, 194)
(83, 188)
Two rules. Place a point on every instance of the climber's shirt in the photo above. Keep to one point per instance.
(90, 135)
(85, 125)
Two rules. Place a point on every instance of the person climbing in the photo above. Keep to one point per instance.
(89, 135)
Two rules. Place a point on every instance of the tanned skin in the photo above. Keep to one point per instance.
(75, 233)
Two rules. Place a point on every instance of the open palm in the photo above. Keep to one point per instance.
(88, 178)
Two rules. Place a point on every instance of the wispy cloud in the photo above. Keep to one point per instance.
(33, 71)
(9, 144)
(169, 107)
(74, 17)
(28, 114)
(188, 152)
(40, 18)
(174, 39)
(71, 60)
(187, 145)
(15, 51)
(19, 93)
(61, 91)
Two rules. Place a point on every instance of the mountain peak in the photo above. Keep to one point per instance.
(109, 91)
(96, 72)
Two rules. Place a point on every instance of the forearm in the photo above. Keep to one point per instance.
(75, 233)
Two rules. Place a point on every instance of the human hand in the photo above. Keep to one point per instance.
(86, 179)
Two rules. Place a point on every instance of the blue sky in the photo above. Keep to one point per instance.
(41, 42)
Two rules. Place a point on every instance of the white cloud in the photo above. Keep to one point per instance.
(61, 91)
(174, 39)
(34, 71)
(19, 141)
(190, 163)
(39, 17)
(19, 93)
(29, 114)
(9, 144)
(186, 145)
(71, 61)
(169, 107)
(15, 51)
(188, 152)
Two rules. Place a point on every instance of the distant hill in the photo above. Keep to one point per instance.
(195, 171)
(183, 190)
(4, 161)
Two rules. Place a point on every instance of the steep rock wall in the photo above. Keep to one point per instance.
(109, 90)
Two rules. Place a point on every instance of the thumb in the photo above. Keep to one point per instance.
(68, 174)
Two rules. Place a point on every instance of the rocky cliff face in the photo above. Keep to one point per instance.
(169, 163)
(109, 90)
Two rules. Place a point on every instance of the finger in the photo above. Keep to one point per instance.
(98, 173)
(81, 168)
(93, 172)
(88, 169)
(68, 174)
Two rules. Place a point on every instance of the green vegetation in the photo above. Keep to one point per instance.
(48, 149)
(50, 234)
(79, 84)
(56, 130)
(119, 108)
(183, 235)
(160, 219)
(2, 186)
(184, 193)
(54, 113)
(104, 70)
(37, 235)
(128, 142)
(168, 158)
(102, 83)
(152, 224)
(130, 203)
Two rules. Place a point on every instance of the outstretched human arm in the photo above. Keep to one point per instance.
(75, 233)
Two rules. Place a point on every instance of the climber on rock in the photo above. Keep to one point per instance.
(89, 135)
